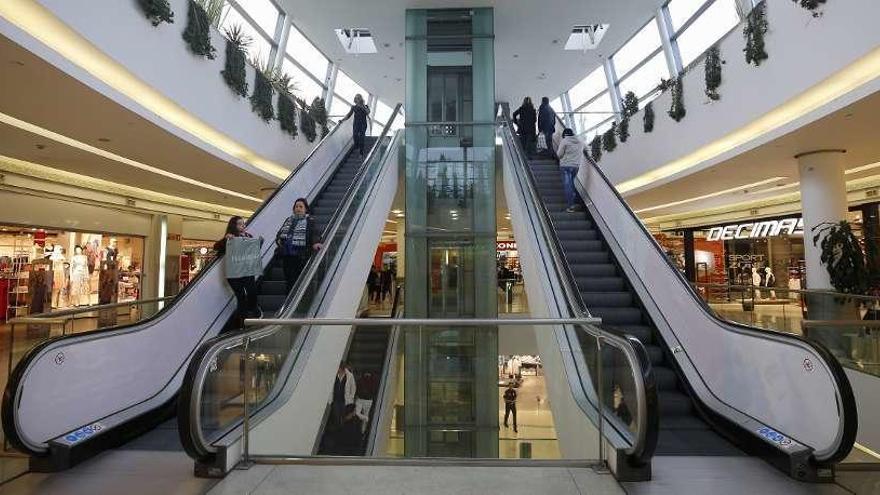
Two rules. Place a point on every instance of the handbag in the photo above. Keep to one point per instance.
(542, 142)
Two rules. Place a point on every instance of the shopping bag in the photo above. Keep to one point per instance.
(542, 142)
(243, 257)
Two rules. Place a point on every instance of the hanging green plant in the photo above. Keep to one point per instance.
(623, 129)
(287, 105)
(596, 148)
(630, 104)
(157, 11)
(318, 112)
(842, 256)
(306, 122)
(677, 110)
(754, 31)
(214, 9)
(648, 118)
(713, 73)
(609, 141)
(812, 6)
(198, 31)
(235, 73)
(261, 99)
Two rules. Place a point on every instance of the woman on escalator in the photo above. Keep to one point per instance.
(571, 157)
(297, 240)
(361, 114)
(245, 288)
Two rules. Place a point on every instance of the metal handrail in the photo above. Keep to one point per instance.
(642, 447)
(89, 309)
(195, 372)
(817, 292)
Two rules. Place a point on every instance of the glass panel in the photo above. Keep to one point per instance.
(589, 87)
(305, 53)
(644, 43)
(306, 87)
(645, 80)
(347, 88)
(556, 105)
(338, 107)
(263, 12)
(382, 112)
(260, 47)
(715, 22)
(680, 11)
(602, 104)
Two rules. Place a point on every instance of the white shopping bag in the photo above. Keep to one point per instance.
(243, 257)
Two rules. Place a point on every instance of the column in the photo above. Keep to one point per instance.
(173, 238)
(690, 262)
(871, 234)
(823, 199)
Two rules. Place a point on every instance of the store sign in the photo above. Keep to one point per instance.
(505, 246)
(757, 230)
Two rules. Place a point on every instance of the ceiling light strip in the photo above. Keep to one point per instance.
(844, 81)
(40, 23)
(712, 195)
(60, 138)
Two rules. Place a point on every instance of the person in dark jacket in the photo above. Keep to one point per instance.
(297, 239)
(373, 284)
(244, 288)
(525, 118)
(547, 123)
(361, 114)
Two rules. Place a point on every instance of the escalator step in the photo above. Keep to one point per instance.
(617, 316)
(655, 353)
(695, 443)
(271, 303)
(599, 284)
(587, 257)
(667, 379)
(607, 299)
(568, 223)
(570, 245)
(273, 287)
(674, 403)
(644, 333)
(577, 235)
(593, 270)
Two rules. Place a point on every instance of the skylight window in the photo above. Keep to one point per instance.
(356, 40)
(586, 37)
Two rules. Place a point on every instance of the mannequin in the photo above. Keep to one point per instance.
(59, 277)
(770, 281)
(79, 277)
(756, 281)
(110, 252)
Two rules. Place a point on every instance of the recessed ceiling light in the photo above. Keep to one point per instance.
(515, 55)
(40, 146)
(396, 211)
(400, 215)
(104, 140)
(17, 62)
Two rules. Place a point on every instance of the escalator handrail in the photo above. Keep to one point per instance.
(647, 416)
(189, 418)
(844, 388)
(379, 399)
(11, 391)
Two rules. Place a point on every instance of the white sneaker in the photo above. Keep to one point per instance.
(571, 209)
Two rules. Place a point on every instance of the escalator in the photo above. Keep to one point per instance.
(73, 396)
(275, 361)
(724, 389)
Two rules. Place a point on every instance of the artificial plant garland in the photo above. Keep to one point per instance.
(630, 106)
(306, 122)
(609, 141)
(318, 112)
(677, 110)
(287, 106)
(235, 73)
(754, 31)
(648, 118)
(261, 99)
(811, 5)
(596, 148)
(623, 129)
(157, 11)
(198, 31)
(713, 73)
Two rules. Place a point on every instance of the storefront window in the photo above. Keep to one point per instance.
(194, 256)
(48, 269)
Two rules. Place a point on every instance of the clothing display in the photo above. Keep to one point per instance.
(80, 286)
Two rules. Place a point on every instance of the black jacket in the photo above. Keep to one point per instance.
(546, 119)
(312, 236)
(525, 118)
(361, 114)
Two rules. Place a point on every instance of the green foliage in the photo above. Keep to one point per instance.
(676, 109)
(235, 73)
(754, 31)
(214, 10)
(609, 141)
(261, 99)
(287, 105)
(157, 11)
(596, 148)
(713, 73)
(318, 112)
(306, 122)
(648, 118)
(623, 129)
(842, 256)
(811, 5)
(630, 104)
(198, 31)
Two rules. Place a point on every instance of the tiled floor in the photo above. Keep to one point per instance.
(409, 480)
(535, 422)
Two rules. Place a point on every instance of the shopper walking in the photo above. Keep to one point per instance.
(547, 123)
(367, 386)
(297, 240)
(244, 288)
(387, 280)
(361, 113)
(571, 157)
(373, 284)
(510, 405)
(525, 119)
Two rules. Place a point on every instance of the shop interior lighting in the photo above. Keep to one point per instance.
(848, 79)
(40, 23)
(712, 195)
(73, 143)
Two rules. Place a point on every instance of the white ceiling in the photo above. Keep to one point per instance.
(527, 61)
